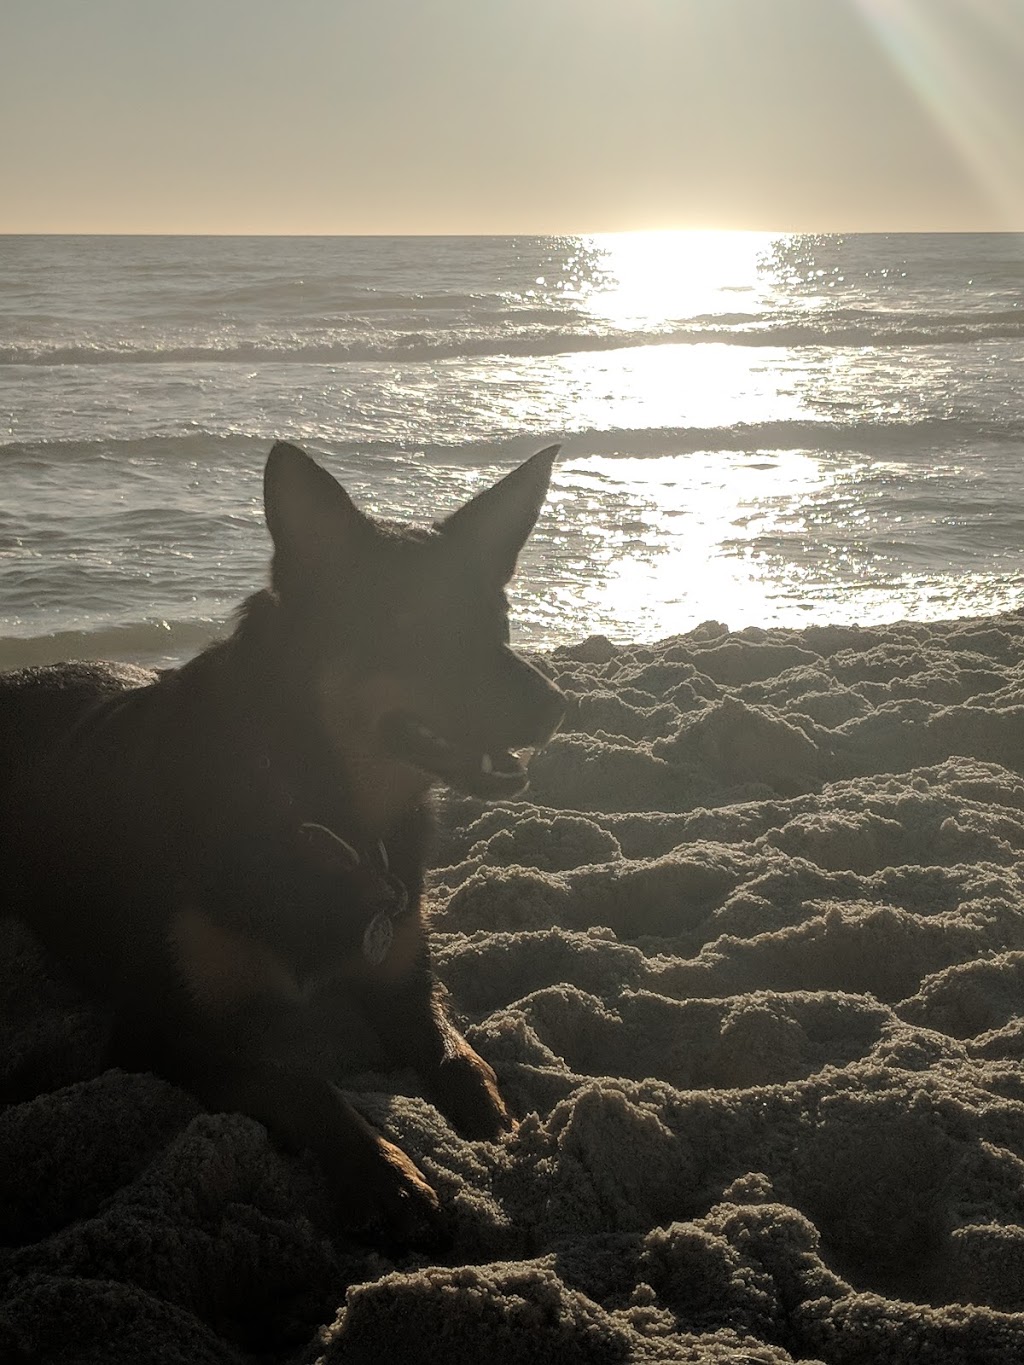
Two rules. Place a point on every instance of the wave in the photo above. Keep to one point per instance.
(880, 437)
(153, 643)
(851, 329)
(892, 439)
(46, 453)
(321, 298)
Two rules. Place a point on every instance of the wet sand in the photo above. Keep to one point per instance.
(749, 963)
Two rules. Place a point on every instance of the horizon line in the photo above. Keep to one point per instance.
(574, 232)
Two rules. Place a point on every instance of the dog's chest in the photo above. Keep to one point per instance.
(325, 915)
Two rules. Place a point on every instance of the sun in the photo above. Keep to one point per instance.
(644, 280)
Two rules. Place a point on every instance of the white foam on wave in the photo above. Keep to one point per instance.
(427, 339)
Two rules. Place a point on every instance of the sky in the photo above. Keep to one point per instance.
(510, 116)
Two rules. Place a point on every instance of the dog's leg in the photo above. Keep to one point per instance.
(376, 1188)
(464, 1086)
(410, 1019)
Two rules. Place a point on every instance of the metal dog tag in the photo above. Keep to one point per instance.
(377, 938)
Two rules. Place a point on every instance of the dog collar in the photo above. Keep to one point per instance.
(388, 895)
(324, 840)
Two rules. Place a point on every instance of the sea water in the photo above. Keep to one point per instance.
(759, 429)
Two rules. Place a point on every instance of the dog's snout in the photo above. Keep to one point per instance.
(554, 711)
(514, 706)
(544, 708)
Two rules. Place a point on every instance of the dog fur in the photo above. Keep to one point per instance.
(212, 849)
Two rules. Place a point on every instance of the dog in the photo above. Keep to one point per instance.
(210, 848)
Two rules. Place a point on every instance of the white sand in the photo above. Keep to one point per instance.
(749, 963)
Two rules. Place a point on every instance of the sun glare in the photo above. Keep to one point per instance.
(644, 279)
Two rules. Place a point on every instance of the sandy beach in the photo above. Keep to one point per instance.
(749, 962)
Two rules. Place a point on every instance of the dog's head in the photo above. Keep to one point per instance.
(404, 630)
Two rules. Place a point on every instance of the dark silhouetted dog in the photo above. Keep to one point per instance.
(209, 848)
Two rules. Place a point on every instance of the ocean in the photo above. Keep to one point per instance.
(758, 429)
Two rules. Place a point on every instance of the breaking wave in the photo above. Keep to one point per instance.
(891, 438)
(341, 346)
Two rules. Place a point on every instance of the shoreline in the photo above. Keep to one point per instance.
(169, 644)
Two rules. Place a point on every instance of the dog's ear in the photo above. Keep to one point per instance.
(311, 519)
(495, 524)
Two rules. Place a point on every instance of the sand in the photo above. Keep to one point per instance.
(749, 962)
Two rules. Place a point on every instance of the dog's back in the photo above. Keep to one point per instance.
(42, 711)
(40, 706)
(39, 710)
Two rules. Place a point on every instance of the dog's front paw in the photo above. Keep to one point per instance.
(465, 1089)
(388, 1198)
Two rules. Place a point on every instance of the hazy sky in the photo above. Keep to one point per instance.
(501, 116)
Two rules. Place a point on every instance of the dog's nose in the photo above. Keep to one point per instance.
(550, 711)
(558, 707)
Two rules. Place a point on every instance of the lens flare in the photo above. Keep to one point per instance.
(963, 59)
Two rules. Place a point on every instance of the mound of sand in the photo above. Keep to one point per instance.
(749, 963)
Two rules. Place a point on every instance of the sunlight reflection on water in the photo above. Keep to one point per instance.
(643, 538)
(768, 429)
(646, 548)
(653, 277)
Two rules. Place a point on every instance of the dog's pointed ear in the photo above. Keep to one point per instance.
(495, 524)
(310, 517)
